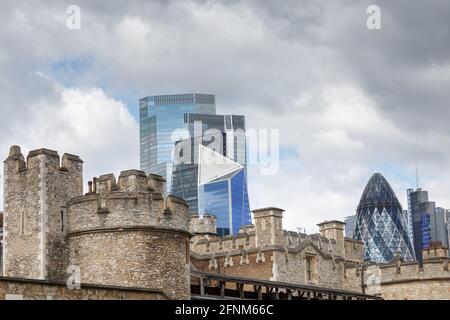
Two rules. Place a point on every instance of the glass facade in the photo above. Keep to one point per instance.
(350, 226)
(160, 117)
(428, 221)
(440, 225)
(380, 223)
(229, 129)
(222, 191)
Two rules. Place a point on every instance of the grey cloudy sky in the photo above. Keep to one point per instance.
(348, 101)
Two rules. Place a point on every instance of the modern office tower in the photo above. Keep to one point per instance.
(222, 190)
(440, 227)
(426, 223)
(160, 117)
(232, 128)
(380, 223)
(223, 134)
(410, 218)
(350, 226)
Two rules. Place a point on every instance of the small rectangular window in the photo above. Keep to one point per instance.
(309, 272)
(62, 214)
(22, 223)
(187, 252)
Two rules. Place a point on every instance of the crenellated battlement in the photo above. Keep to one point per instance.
(398, 279)
(267, 233)
(267, 251)
(135, 200)
(16, 162)
(203, 225)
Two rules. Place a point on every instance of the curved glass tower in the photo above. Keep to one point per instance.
(380, 223)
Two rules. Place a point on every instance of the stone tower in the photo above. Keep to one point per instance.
(36, 194)
(202, 227)
(334, 230)
(268, 226)
(125, 233)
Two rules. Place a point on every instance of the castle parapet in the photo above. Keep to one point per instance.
(203, 225)
(125, 204)
(435, 250)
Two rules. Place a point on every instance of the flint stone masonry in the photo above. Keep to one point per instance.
(36, 195)
(26, 289)
(123, 232)
(399, 280)
(133, 258)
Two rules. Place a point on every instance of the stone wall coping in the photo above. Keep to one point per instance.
(267, 209)
(421, 279)
(435, 260)
(72, 157)
(85, 198)
(394, 265)
(105, 177)
(197, 216)
(234, 252)
(132, 172)
(83, 285)
(46, 152)
(410, 263)
(116, 195)
(203, 233)
(331, 221)
(353, 240)
(129, 228)
(156, 177)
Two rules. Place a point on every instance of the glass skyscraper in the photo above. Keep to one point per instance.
(224, 134)
(222, 191)
(422, 211)
(176, 156)
(160, 117)
(380, 223)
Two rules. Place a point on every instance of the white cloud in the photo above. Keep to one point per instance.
(85, 122)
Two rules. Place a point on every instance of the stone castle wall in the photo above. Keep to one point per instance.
(127, 234)
(400, 280)
(265, 251)
(36, 195)
(121, 233)
(26, 289)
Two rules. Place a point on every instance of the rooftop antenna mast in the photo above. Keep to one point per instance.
(417, 177)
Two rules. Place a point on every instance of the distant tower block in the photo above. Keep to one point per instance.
(36, 194)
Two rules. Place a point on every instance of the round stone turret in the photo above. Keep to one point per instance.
(128, 234)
